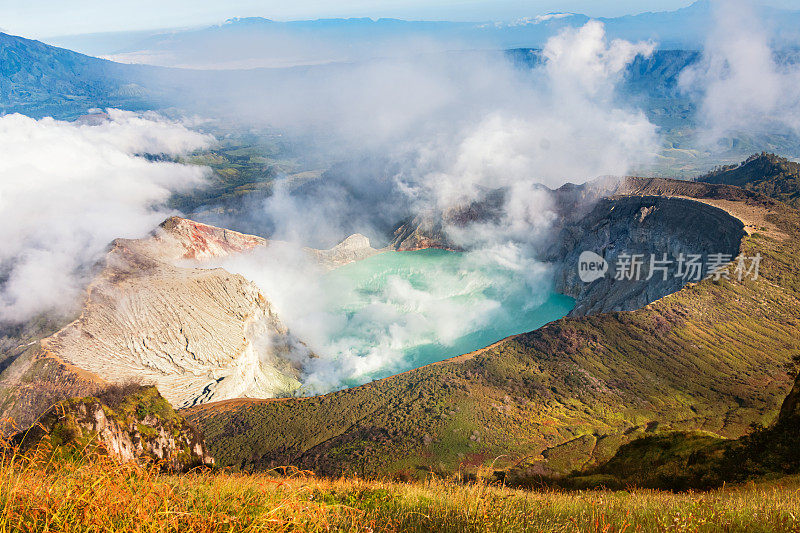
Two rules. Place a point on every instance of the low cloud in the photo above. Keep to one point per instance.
(68, 189)
(440, 129)
(744, 82)
(564, 124)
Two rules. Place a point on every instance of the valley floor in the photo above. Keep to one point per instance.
(99, 495)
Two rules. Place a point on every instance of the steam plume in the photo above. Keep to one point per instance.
(742, 85)
(68, 189)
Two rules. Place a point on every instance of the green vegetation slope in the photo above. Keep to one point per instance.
(683, 460)
(94, 494)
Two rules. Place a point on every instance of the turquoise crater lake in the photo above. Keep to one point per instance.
(396, 311)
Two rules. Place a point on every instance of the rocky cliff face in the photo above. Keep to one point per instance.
(646, 225)
(141, 427)
(354, 248)
(765, 173)
(430, 230)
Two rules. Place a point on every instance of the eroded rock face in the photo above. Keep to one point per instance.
(192, 240)
(197, 334)
(144, 430)
(430, 230)
(354, 248)
(155, 316)
(647, 225)
(419, 233)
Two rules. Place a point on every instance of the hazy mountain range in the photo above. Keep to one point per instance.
(260, 42)
(38, 79)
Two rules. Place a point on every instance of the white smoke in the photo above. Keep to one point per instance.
(568, 126)
(740, 84)
(449, 127)
(68, 189)
(450, 132)
(370, 318)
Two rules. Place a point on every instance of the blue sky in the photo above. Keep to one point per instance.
(44, 18)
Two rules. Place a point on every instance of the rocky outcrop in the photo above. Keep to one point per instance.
(765, 173)
(195, 333)
(420, 232)
(187, 239)
(140, 427)
(354, 248)
(430, 229)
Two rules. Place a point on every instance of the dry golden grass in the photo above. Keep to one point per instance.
(94, 493)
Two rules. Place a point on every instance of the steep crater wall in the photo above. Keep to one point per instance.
(607, 217)
(565, 396)
(159, 313)
(647, 225)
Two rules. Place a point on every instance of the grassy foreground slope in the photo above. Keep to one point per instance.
(81, 485)
(95, 494)
(710, 357)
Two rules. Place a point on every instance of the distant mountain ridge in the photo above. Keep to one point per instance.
(768, 174)
(261, 42)
(41, 80)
